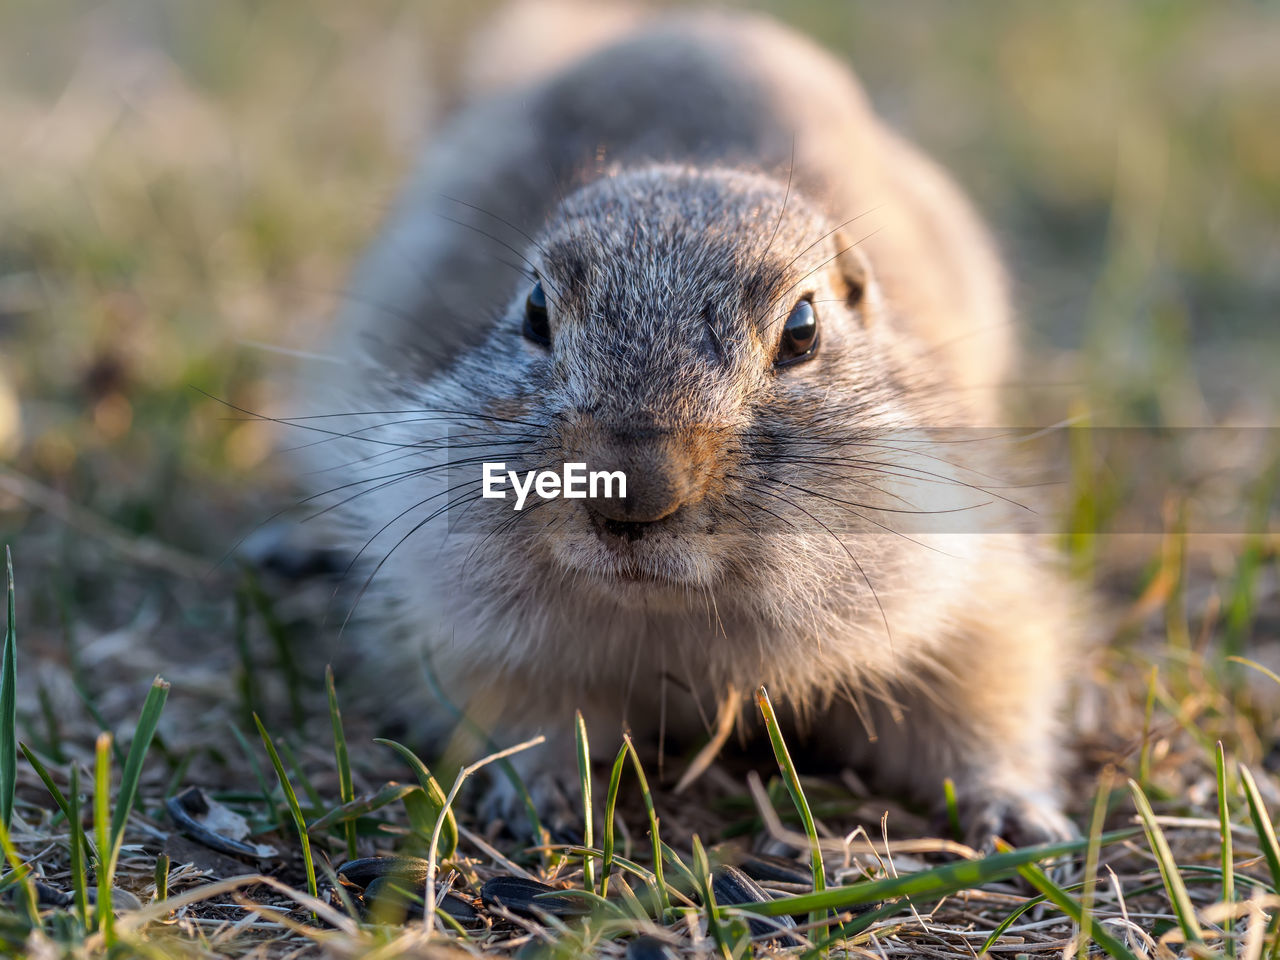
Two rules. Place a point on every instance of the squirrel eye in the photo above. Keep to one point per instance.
(799, 335)
(537, 326)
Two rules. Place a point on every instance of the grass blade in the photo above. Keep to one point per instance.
(45, 778)
(295, 810)
(346, 789)
(1009, 921)
(664, 898)
(22, 875)
(610, 804)
(1174, 886)
(935, 883)
(161, 874)
(1091, 858)
(584, 777)
(9, 703)
(1256, 666)
(79, 845)
(362, 807)
(1144, 756)
(106, 866)
(1262, 824)
(1228, 856)
(429, 907)
(1072, 908)
(644, 874)
(682, 868)
(792, 780)
(434, 795)
(715, 924)
(422, 814)
(142, 737)
(953, 808)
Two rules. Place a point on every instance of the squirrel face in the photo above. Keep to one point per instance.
(700, 331)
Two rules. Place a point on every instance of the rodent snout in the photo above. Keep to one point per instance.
(664, 471)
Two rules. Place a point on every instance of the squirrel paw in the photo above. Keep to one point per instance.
(1023, 820)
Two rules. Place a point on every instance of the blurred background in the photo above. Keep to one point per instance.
(183, 185)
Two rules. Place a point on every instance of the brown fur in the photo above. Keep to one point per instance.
(677, 193)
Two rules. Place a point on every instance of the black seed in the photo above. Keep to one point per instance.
(397, 893)
(362, 872)
(47, 896)
(734, 888)
(646, 947)
(526, 897)
(763, 866)
(462, 910)
(393, 899)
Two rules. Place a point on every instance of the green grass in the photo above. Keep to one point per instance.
(655, 838)
(144, 733)
(792, 779)
(346, 790)
(9, 701)
(1073, 908)
(583, 744)
(108, 852)
(434, 805)
(838, 913)
(295, 809)
(1169, 873)
(341, 821)
(1226, 854)
(610, 823)
(20, 876)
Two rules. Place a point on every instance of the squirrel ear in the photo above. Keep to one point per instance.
(854, 270)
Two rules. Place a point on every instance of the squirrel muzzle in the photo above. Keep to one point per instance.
(665, 468)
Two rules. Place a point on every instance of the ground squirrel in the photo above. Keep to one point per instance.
(692, 254)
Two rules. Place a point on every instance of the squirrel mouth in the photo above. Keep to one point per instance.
(619, 534)
(628, 530)
(627, 543)
(645, 554)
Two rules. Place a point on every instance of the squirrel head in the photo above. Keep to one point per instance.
(692, 328)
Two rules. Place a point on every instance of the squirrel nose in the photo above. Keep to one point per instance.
(660, 479)
(647, 501)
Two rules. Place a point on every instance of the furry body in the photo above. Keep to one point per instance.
(676, 191)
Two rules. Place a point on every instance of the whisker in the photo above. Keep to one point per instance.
(838, 227)
(839, 253)
(449, 411)
(502, 220)
(882, 526)
(861, 572)
(500, 529)
(786, 196)
(395, 478)
(502, 243)
(387, 458)
(381, 563)
(358, 434)
(301, 426)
